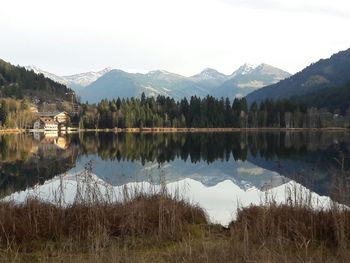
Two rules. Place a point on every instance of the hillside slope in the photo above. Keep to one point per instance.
(337, 98)
(17, 82)
(324, 74)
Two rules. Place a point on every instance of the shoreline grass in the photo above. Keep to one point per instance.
(163, 228)
(160, 227)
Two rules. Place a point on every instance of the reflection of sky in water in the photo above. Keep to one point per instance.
(220, 201)
(219, 187)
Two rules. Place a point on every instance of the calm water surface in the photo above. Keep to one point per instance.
(220, 171)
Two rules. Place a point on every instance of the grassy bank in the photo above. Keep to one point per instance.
(164, 228)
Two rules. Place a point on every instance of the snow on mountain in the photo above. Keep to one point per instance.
(209, 74)
(243, 70)
(155, 92)
(159, 72)
(76, 81)
(84, 79)
(49, 75)
(107, 83)
(164, 75)
(248, 78)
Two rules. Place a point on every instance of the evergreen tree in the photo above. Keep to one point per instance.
(4, 112)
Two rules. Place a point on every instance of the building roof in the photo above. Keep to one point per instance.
(50, 114)
(47, 120)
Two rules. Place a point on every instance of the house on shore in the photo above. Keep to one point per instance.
(61, 117)
(47, 124)
(52, 120)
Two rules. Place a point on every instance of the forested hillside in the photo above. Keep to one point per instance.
(335, 99)
(16, 82)
(326, 74)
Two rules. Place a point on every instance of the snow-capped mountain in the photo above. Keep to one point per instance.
(246, 68)
(47, 74)
(209, 74)
(248, 78)
(84, 79)
(107, 83)
(76, 81)
(209, 79)
(118, 83)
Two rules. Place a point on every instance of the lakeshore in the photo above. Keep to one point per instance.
(205, 174)
(162, 228)
(180, 130)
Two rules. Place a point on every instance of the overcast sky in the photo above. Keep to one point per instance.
(182, 36)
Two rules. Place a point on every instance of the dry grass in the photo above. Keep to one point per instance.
(159, 227)
(289, 224)
(157, 215)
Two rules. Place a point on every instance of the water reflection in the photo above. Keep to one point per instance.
(261, 161)
(220, 201)
(26, 160)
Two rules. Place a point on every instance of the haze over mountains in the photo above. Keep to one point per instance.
(108, 83)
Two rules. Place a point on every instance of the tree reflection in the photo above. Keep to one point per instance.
(26, 160)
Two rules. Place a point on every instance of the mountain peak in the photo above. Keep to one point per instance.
(271, 70)
(158, 72)
(209, 74)
(209, 70)
(244, 69)
(264, 65)
(105, 70)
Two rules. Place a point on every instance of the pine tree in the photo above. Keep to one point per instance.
(4, 112)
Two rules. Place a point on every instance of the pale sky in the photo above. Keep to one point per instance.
(181, 36)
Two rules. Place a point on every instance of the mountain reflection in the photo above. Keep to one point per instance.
(248, 159)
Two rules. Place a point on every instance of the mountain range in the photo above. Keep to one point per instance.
(112, 83)
(76, 82)
(325, 83)
(329, 77)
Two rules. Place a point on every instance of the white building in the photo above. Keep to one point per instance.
(60, 117)
(47, 124)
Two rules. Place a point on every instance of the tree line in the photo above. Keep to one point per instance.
(15, 114)
(207, 112)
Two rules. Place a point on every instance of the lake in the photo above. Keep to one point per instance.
(219, 171)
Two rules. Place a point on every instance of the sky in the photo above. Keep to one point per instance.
(182, 36)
